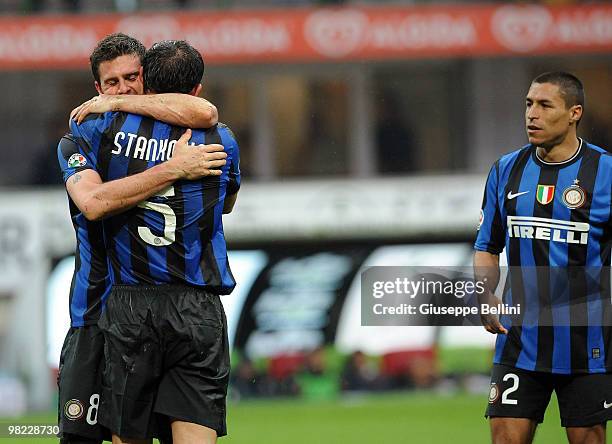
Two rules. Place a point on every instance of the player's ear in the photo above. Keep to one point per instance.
(98, 88)
(575, 113)
(197, 90)
(141, 73)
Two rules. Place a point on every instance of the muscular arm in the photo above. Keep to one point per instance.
(176, 109)
(98, 200)
(486, 269)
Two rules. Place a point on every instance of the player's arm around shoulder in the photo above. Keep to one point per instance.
(175, 109)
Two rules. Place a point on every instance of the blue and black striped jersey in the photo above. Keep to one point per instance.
(176, 236)
(91, 281)
(553, 219)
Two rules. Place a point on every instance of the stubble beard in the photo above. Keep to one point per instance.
(549, 144)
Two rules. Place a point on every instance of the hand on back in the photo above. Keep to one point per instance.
(195, 162)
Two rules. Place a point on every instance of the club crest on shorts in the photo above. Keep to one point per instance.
(74, 409)
(493, 393)
(545, 194)
(77, 160)
(574, 196)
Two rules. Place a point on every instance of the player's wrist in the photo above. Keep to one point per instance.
(117, 103)
(170, 170)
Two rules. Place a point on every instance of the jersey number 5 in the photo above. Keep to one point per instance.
(169, 236)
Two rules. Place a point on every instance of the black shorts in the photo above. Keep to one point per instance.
(584, 399)
(167, 355)
(79, 381)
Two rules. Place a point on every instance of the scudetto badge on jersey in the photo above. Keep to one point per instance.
(77, 160)
(545, 194)
(74, 409)
(574, 196)
(480, 220)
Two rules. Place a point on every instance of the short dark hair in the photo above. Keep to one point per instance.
(172, 66)
(570, 87)
(113, 46)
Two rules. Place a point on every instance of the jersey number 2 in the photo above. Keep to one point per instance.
(513, 388)
(169, 236)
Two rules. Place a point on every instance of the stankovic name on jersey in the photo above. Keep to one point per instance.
(139, 147)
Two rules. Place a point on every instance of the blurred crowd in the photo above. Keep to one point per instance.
(322, 373)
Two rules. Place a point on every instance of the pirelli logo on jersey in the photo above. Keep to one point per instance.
(528, 227)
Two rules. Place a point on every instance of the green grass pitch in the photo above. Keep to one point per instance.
(419, 418)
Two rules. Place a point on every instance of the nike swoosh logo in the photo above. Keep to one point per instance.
(606, 405)
(512, 196)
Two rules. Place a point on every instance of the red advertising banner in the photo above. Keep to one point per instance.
(319, 34)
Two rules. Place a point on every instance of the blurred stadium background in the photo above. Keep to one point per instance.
(366, 131)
